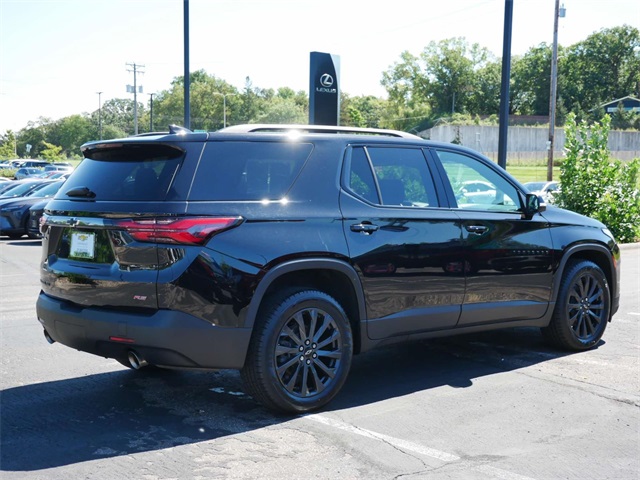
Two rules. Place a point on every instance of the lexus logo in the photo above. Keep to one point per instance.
(326, 80)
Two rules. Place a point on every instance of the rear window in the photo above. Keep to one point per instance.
(127, 172)
(231, 171)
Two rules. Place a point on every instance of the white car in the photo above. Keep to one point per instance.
(543, 189)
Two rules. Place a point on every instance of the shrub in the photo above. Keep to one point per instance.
(596, 185)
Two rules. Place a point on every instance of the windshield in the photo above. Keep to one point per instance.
(129, 172)
(535, 186)
(19, 190)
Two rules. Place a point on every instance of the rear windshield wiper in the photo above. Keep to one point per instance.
(80, 192)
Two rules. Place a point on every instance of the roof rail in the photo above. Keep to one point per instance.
(274, 128)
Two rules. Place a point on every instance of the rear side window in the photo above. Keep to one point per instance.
(402, 176)
(230, 171)
(127, 172)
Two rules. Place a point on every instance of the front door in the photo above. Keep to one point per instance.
(509, 257)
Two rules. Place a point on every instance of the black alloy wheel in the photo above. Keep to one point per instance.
(300, 354)
(583, 307)
(308, 352)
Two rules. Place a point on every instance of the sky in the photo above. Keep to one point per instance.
(55, 55)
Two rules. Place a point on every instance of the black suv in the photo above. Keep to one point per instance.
(282, 251)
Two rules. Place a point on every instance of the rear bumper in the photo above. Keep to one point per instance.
(163, 337)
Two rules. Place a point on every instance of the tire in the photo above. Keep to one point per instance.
(300, 352)
(582, 309)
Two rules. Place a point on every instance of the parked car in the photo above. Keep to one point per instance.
(58, 168)
(25, 172)
(282, 251)
(5, 179)
(544, 189)
(33, 163)
(14, 212)
(36, 212)
(20, 188)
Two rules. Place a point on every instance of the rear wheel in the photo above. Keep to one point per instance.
(582, 309)
(300, 352)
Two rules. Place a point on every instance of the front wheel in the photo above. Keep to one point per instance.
(583, 307)
(300, 352)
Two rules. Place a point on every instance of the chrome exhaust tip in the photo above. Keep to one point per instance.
(135, 361)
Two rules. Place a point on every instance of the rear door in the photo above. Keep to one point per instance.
(406, 249)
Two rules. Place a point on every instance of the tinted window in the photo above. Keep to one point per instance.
(403, 176)
(476, 185)
(248, 170)
(360, 179)
(128, 172)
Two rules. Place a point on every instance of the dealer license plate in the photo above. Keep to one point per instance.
(82, 245)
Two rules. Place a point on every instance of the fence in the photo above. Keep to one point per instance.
(526, 143)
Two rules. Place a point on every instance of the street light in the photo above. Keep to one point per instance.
(99, 114)
(224, 105)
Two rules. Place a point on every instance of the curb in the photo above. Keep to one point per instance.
(629, 246)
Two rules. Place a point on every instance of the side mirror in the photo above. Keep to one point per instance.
(534, 204)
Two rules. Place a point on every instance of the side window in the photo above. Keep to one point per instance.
(361, 180)
(391, 176)
(403, 177)
(231, 171)
(477, 186)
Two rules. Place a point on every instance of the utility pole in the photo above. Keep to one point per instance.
(135, 68)
(99, 114)
(151, 113)
(554, 89)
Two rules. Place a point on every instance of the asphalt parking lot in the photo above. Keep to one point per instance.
(498, 405)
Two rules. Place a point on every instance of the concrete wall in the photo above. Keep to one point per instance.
(527, 143)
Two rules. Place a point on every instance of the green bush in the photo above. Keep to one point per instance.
(596, 185)
(8, 172)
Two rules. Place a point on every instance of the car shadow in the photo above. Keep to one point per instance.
(75, 420)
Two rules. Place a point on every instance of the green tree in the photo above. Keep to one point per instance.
(603, 67)
(449, 76)
(363, 111)
(531, 78)
(34, 134)
(7, 145)
(451, 67)
(71, 132)
(596, 185)
(282, 111)
(207, 103)
(51, 152)
(119, 113)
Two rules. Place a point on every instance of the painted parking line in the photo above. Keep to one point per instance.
(634, 313)
(413, 447)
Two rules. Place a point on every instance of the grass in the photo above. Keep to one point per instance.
(532, 173)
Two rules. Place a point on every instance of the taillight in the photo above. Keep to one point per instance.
(185, 230)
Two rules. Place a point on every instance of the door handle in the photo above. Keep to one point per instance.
(364, 227)
(477, 229)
